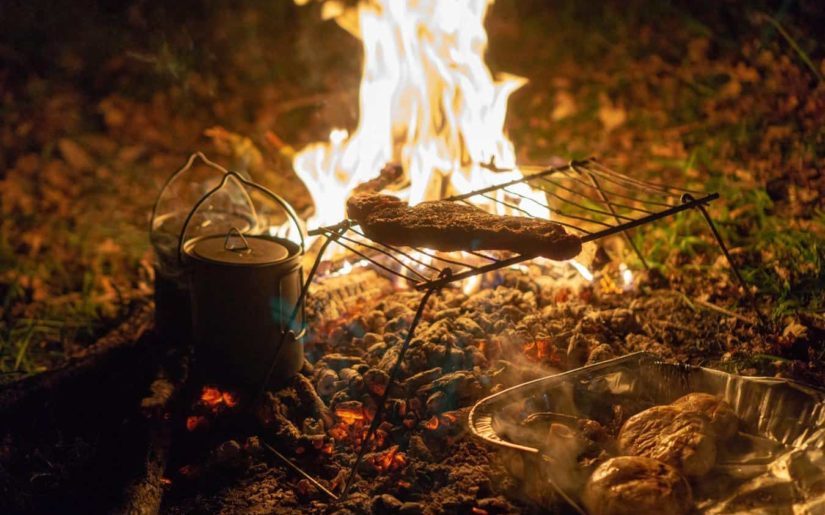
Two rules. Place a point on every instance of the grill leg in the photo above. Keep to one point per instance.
(687, 197)
(299, 306)
(626, 234)
(382, 403)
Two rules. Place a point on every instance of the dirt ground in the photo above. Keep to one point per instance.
(98, 109)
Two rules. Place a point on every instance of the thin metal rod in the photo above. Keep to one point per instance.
(568, 201)
(590, 237)
(588, 197)
(625, 233)
(386, 253)
(495, 187)
(376, 263)
(687, 197)
(300, 471)
(443, 281)
(641, 200)
(650, 218)
(626, 182)
(298, 307)
(379, 411)
(483, 256)
(648, 183)
(616, 177)
(332, 229)
(435, 255)
(507, 204)
(571, 175)
(554, 211)
(399, 251)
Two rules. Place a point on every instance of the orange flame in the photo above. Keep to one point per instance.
(428, 102)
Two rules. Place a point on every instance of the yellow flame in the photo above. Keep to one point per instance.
(627, 276)
(427, 101)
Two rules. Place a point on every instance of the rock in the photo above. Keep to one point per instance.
(325, 385)
(252, 445)
(494, 505)
(414, 382)
(469, 325)
(438, 403)
(337, 361)
(385, 503)
(372, 338)
(376, 381)
(411, 508)
(462, 385)
(602, 352)
(418, 449)
(227, 452)
(577, 351)
(641, 342)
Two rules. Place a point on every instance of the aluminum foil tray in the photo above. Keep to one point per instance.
(776, 464)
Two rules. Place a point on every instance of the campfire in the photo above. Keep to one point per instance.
(440, 326)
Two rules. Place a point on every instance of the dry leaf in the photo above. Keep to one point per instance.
(611, 116)
(75, 155)
(565, 105)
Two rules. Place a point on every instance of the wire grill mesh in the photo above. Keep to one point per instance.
(585, 197)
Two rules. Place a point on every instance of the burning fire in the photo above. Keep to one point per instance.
(427, 102)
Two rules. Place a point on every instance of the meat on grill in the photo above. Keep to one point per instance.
(449, 226)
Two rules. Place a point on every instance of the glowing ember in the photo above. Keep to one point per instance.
(431, 424)
(350, 413)
(195, 422)
(389, 460)
(544, 351)
(211, 395)
(216, 399)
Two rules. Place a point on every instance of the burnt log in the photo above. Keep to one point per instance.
(76, 435)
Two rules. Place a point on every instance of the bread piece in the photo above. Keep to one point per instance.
(448, 226)
(683, 439)
(635, 485)
(723, 419)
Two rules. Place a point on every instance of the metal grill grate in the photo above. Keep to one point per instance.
(585, 197)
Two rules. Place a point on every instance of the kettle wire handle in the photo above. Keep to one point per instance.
(183, 169)
(290, 211)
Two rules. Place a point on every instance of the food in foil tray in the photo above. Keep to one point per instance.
(661, 447)
(636, 485)
(683, 439)
(638, 435)
(723, 419)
